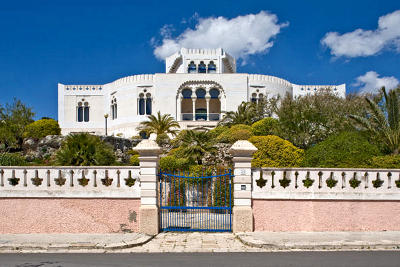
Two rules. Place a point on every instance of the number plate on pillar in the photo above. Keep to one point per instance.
(243, 171)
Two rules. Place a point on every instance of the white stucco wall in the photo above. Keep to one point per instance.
(166, 95)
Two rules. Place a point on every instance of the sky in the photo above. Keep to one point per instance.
(43, 43)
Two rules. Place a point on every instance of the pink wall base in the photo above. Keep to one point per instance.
(321, 215)
(41, 215)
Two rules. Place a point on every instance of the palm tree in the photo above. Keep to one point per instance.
(159, 124)
(245, 114)
(196, 144)
(383, 120)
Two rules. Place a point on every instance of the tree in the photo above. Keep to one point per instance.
(196, 144)
(85, 150)
(245, 114)
(383, 120)
(13, 120)
(310, 119)
(159, 124)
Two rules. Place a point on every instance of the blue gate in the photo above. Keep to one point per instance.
(199, 201)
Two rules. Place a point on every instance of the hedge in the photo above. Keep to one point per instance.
(274, 151)
(235, 133)
(346, 150)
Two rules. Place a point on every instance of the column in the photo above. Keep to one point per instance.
(179, 108)
(242, 152)
(208, 106)
(149, 152)
(194, 108)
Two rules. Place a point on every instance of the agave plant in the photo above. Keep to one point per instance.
(196, 144)
(85, 150)
(159, 124)
(383, 121)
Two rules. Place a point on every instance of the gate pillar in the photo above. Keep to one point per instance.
(149, 155)
(242, 152)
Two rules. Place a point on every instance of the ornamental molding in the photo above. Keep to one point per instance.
(196, 84)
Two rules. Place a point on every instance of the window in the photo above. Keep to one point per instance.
(141, 103)
(80, 112)
(148, 104)
(83, 110)
(214, 93)
(187, 93)
(200, 93)
(212, 68)
(114, 111)
(254, 98)
(202, 67)
(192, 67)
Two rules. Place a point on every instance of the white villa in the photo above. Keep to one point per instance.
(197, 88)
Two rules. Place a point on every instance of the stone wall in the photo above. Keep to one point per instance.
(69, 199)
(326, 200)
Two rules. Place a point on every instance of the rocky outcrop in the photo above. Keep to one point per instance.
(46, 147)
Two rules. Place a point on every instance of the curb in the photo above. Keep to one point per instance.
(319, 247)
(74, 246)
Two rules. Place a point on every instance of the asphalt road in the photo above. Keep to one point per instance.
(276, 259)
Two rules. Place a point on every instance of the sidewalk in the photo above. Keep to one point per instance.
(70, 242)
(321, 240)
(199, 242)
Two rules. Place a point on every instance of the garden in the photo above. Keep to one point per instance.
(320, 130)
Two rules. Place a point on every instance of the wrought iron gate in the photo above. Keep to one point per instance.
(196, 202)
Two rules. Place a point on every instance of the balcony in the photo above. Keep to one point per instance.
(200, 116)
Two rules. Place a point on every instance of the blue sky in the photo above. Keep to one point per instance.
(95, 42)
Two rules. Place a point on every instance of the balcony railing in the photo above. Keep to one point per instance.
(200, 116)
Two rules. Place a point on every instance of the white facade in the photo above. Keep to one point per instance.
(199, 86)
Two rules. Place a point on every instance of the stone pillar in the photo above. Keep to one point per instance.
(179, 108)
(194, 108)
(242, 152)
(208, 107)
(149, 152)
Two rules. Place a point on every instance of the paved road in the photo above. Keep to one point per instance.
(276, 259)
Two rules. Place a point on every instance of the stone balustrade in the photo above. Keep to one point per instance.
(70, 182)
(326, 183)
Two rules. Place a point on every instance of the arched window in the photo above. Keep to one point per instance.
(86, 112)
(192, 67)
(260, 98)
(141, 104)
(254, 98)
(187, 93)
(200, 93)
(114, 113)
(80, 112)
(212, 68)
(214, 93)
(83, 110)
(148, 104)
(202, 67)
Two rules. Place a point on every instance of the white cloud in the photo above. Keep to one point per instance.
(371, 83)
(241, 36)
(362, 43)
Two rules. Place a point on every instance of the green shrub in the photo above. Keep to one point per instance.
(274, 151)
(214, 133)
(163, 139)
(85, 150)
(266, 126)
(346, 150)
(386, 162)
(235, 133)
(11, 159)
(134, 160)
(172, 163)
(42, 128)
